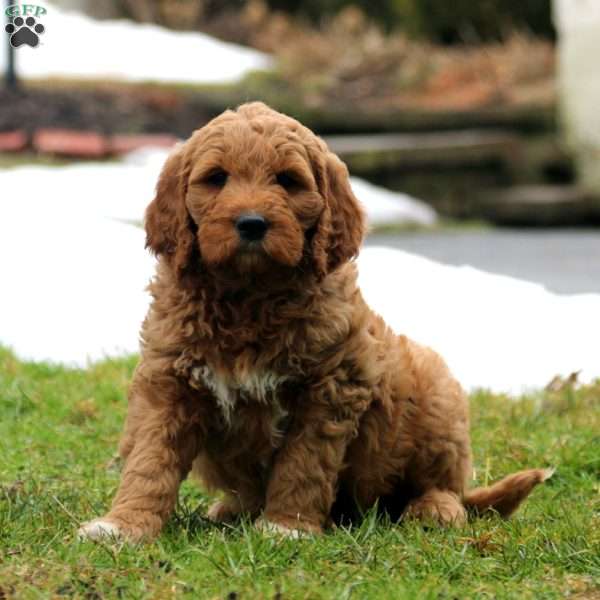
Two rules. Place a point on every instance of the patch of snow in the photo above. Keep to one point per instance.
(76, 46)
(494, 331)
(73, 275)
(116, 190)
(385, 206)
(72, 284)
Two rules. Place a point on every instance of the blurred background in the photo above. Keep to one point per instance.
(471, 127)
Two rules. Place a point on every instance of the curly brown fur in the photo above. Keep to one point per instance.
(262, 368)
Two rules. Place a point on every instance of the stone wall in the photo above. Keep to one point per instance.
(578, 25)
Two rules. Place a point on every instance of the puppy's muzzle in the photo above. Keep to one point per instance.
(251, 228)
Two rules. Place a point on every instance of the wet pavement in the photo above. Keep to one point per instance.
(566, 261)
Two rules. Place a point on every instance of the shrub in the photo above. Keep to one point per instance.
(447, 22)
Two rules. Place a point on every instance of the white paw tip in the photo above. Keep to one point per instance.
(98, 529)
(275, 529)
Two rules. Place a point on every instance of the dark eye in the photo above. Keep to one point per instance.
(288, 181)
(217, 178)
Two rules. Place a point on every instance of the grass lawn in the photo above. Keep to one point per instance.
(58, 435)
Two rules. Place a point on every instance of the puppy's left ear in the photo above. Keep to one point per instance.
(170, 230)
(342, 224)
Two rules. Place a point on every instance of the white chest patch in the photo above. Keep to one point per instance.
(260, 387)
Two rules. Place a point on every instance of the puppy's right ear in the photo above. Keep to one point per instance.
(170, 230)
(341, 227)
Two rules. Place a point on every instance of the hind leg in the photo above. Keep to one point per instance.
(438, 506)
(442, 476)
(233, 506)
(437, 420)
(226, 510)
(242, 487)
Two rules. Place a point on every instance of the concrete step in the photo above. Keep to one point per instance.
(454, 171)
(540, 205)
(444, 149)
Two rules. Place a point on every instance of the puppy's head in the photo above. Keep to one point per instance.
(251, 193)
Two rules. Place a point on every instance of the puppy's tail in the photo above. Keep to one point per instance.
(505, 495)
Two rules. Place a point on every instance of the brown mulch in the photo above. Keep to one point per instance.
(107, 110)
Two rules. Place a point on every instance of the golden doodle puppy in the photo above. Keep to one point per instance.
(262, 369)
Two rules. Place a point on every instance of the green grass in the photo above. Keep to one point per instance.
(443, 225)
(10, 160)
(58, 435)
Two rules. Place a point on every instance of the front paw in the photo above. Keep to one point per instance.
(100, 529)
(114, 529)
(286, 527)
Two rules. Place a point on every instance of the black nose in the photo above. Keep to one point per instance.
(251, 227)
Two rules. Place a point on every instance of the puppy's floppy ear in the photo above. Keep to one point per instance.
(341, 226)
(170, 230)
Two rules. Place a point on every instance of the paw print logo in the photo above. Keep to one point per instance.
(24, 31)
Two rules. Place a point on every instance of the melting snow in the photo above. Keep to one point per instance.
(73, 274)
(77, 46)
